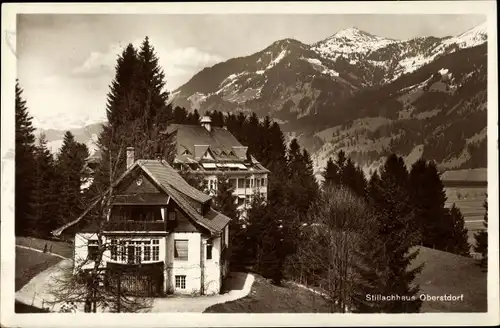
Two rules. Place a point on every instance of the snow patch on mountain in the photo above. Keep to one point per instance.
(313, 61)
(318, 65)
(276, 60)
(231, 78)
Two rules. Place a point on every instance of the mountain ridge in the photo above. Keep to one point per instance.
(366, 103)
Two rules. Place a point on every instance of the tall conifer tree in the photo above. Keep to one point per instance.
(24, 161)
(46, 196)
(389, 197)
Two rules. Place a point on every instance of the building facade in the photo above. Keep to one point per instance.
(213, 152)
(161, 235)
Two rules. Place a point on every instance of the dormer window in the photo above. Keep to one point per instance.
(186, 153)
(208, 155)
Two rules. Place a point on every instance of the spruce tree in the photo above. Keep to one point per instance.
(458, 239)
(389, 196)
(24, 161)
(70, 175)
(352, 177)
(46, 196)
(180, 115)
(139, 97)
(428, 198)
(121, 104)
(150, 142)
(481, 238)
(309, 182)
(331, 174)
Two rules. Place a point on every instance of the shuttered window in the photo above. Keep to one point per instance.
(181, 250)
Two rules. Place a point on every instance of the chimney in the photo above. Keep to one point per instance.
(130, 157)
(206, 122)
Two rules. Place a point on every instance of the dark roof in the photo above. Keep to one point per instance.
(174, 186)
(196, 139)
(164, 174)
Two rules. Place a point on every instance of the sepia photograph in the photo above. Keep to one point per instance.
(249, 158)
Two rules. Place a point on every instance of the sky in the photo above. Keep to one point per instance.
(65, 62)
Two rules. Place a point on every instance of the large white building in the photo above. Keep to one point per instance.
(213, 152)
(161, 235)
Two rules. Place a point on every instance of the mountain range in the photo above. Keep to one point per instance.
(366, 94)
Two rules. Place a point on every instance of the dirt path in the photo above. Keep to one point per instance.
(37, 292)
(242, 283)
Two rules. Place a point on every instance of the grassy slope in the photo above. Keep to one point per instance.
(267, 298)
(446, 273)
(30, 263)
(61, 248)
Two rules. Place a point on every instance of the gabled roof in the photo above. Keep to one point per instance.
(195, 138)
(174, 186)
(166, 175)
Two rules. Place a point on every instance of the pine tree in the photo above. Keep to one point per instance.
(121, 105)
(46, 197)
(70, 175)
(193, 118)
(137, 95)
(24, 161)
(180, 115)
(481, 238)
(308, 179)
(428, 197)
(150, 142)
(352, 177)
(389, 196)
(300, 176)
(331, 174)
(458, 239)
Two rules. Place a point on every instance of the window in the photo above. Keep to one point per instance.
(147, 253)
(138, 254)
(257, 181)
(172, 215)
(248, 182)
(180, 282)
(156, 250)
(93, 249)
(233, 183)
(241, 183)
(263, 182)
(123, 255)
(114, 250)
(209, 250)
(181, 250)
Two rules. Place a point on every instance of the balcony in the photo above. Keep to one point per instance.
(130, 225)
(249, 191)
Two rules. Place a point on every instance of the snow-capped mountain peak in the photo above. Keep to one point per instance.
(470, 38)
(351, 40)
(352, 33)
